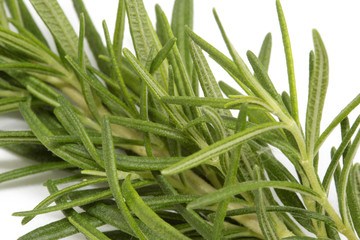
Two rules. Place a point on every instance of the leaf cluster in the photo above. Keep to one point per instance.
(149, 140)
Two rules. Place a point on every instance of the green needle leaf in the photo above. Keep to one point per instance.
(30, 67)
(265, 220)
(63, 206)
(263, 77)
(221, 59)
(182, 16)
(230, 177)
(34, 169)
(145, 214)
(59, 229)
(353, 196)
(105, 93)
(118, 76)
(337, 155)
(220, 147)
(345, 112)
(111, 172)
(226, 192)
(162, 55)
(58, 24)
(144, 36)
(54, 196)
(15, 11)
(155, 87)
(42, 132)
(119, 30)
(77, 125)
(95, 42)
(150, 127)
(86, 228)
(344, 176)
(265, 51)
(289, 62)
(317, 90)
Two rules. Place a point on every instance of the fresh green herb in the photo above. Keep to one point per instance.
(150, 157)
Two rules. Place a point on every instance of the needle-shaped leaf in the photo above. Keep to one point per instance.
(182, 80)
(13, 137)
(317, 90)
(95, 43)
(24, 45)
(230, 177)
(86, 228)
(289, 61)
(111, 172)
(42, 91)
(113, 216)
(226, 192)
(56, 195)
(105, 93)
(125, 162)
(30, 67)
(344, 176)
(265, 51)
(146, 215)
(338, 153)
(182, 16)
(3, 18)
(344, 112)
(199, 224)
(155, 87)
(217, 122)
(42, 132)
(265, 220)
(59, 229)
(15, 10)
(353, 196)
(212, 102)
(33, 169)
(144, 36)
(119, 30)
(144, 114)
(300, 212)
(161, 55)
(63, 206)
(206, 77)
(10, 104)
(303, 238)
(278, 172)
(263, 77)
(220, 147)
(249, 78)
(58, 24)
(95, 139)
(81, 41)
(30, 24)
(118, 76)
(79, 128)
(168, 201)
(227, 89)
(220, 58)
(150, 127)
(92, 101)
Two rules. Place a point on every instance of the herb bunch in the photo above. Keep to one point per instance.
(150, 157)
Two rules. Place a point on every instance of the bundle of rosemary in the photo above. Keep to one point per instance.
(148, 140)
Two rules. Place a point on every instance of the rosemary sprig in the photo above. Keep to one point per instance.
(150, 157)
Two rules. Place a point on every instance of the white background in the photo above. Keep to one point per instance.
(246, 22)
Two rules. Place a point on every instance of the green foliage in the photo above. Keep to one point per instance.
(149, 157)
